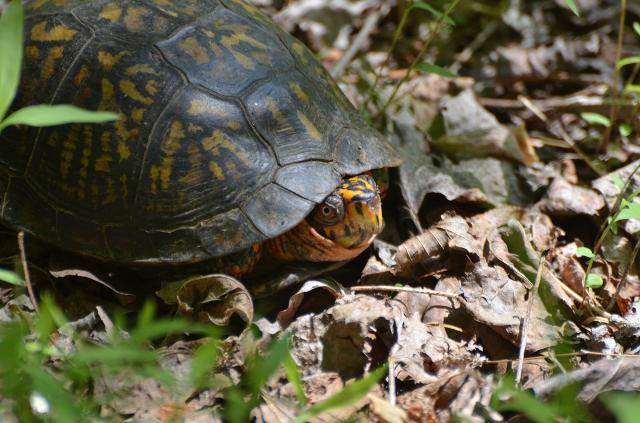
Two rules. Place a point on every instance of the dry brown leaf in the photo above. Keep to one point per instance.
(214, 298)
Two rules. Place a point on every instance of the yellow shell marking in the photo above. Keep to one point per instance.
(298, 48)
(32, 52)
(103, 163)
(198, 53)
(111, 12)
(160, 23)
(216, 170)
(124, 136)
(151, 86)
(230, 41)
(82, 74)
(141, 68)
(137, 114)
(273, 108)
(218, 141)
(48, 66)
(57, 33)
(107, 59)
(169, 147)
(310, 127)
(302, 96)
(133, 20)
(129, 88)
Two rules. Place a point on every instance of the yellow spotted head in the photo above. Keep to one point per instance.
(351, 215)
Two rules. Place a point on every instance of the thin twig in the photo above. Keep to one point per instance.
(386, 288)
(559, 130)
(623, 279)
(25, 271)
(571, 354)
(362, 37)
(527, 319)
(613, 111)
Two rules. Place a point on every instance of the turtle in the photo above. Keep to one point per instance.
(233, 143)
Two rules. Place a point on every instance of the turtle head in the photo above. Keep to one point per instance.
(350, 216)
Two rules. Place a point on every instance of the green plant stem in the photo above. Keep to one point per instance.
(605, 228)
(394, 42)
(420, 55)
(613, 111)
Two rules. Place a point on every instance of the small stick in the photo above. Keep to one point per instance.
(25, 270)
(623, 279)
(386, 288)
(525, 322)
(368, 26)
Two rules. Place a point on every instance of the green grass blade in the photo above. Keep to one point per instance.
(574, 8)
(347, 396)
(11, 277)
(11, 48)
(424, 6)
(46, 115)
(430, 68)
(633, 60)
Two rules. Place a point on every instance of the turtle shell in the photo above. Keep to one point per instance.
(230, 130)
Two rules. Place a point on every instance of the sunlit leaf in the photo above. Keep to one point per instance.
(574, 8)
(633, 60)
(631, 211)
(347, 396)
(293, 375)
(584, 252)
(594, 281)
(595, 119)
(617, 180)
(430, 68)
(11, 53)
(624, 405)
(636, 27)
(59, 114)
(424, 6)
(632, 88)
(625, 130)
(10, 277)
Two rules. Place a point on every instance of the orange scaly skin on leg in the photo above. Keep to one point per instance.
(338, 229)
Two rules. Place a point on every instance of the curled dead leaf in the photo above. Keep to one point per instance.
(214, 298)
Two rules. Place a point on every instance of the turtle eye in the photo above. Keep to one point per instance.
(327, 211)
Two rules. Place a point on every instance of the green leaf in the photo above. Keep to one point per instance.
(508, 397)
(595, 119)
(632, 211)
(204, 360)
(11, 277)
(625, 130)
(617, 180)
(424, 6)
(430, 68)
(593, 281)
(631, 88)
(347, 396)
(633, 60)
(293, 375)
(11, 48)
(59, 114)
(624, 405)
(636, 27)
(571, 4)
(263, 367)
(584, 252)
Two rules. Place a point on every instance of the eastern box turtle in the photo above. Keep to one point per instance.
(231, 133)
